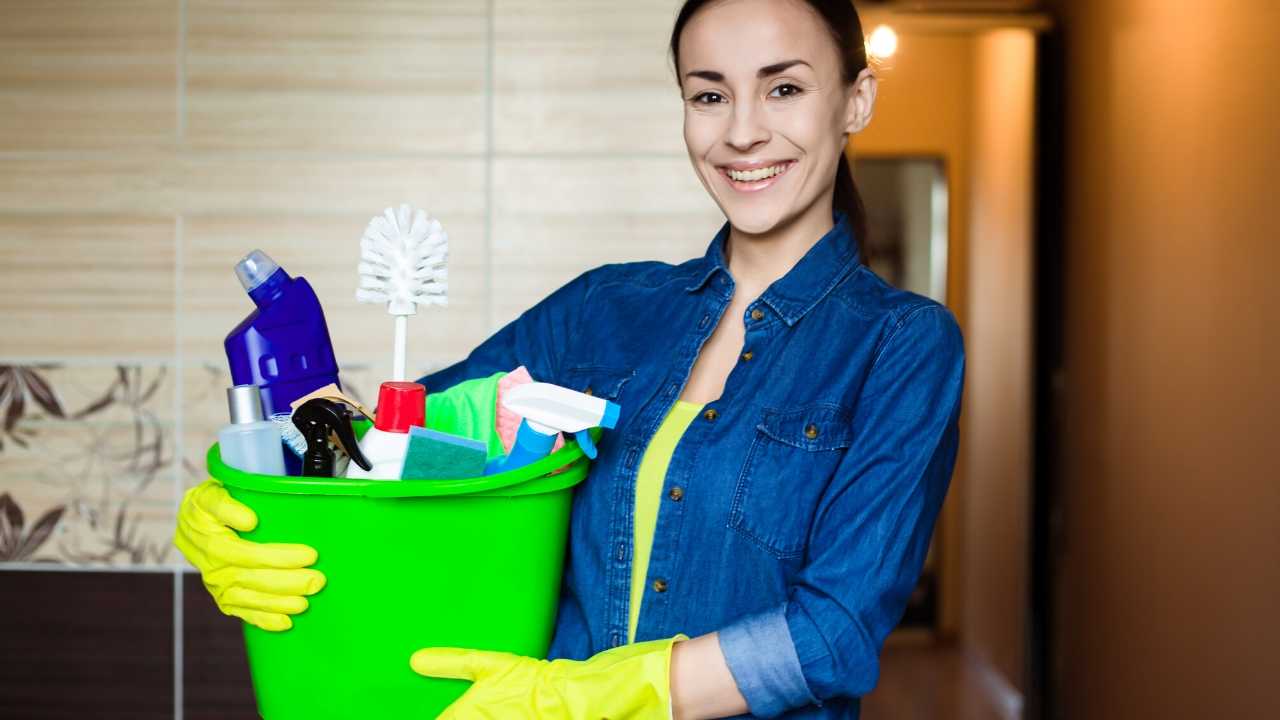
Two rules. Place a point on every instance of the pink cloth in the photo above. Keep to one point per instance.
(507, 422)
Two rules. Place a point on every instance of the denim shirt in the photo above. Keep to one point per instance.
(798, 507)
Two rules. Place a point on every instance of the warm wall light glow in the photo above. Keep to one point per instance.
(883, 42)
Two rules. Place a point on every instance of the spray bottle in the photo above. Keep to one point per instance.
(320, 420)
(548, 410)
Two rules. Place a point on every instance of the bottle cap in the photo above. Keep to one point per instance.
(245, 403)
(254, 269)
(401, 405)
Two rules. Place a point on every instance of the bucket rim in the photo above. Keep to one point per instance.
(570, 457)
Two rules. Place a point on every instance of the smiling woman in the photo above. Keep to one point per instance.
(753, 527)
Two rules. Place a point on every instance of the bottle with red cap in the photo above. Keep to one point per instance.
(401, 405)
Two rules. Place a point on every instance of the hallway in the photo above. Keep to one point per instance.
(924, 681)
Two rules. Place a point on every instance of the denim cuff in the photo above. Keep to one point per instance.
(763, 661)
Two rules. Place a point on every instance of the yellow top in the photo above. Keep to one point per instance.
(649, 481)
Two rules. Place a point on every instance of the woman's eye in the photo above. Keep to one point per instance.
(796, 90)
(698, 98)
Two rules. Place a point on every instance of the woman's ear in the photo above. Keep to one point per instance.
(861, 102)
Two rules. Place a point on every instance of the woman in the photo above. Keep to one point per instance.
(751, 530)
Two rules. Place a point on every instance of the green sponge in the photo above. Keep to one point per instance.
(435, 455)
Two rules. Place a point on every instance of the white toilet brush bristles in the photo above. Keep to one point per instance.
(402, 263)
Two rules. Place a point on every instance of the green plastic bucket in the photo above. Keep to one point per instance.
(471, 562)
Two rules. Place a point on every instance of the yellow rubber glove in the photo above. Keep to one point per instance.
(261, 583)
(631, 681)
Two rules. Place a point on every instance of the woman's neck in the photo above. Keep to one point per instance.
(756, 260)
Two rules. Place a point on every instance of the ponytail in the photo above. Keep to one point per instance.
(848, 199)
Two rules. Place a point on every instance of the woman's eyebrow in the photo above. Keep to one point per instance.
(763, 72)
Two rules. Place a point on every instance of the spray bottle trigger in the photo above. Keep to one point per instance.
(584, 442)
(347, 439)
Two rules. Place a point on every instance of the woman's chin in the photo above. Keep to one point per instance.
(754, 219)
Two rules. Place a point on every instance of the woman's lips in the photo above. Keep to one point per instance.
(756, 185)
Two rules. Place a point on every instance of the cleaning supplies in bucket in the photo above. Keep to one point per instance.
(401, 405)
(250, 443)
(468, 563)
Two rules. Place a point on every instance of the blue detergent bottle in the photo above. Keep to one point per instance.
(283, 346)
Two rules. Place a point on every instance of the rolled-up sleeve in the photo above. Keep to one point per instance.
(761, 656)
(870, 532)
(535, 339)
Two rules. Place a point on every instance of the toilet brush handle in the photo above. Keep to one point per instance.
(398, 372)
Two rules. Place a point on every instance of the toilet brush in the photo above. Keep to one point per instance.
(402, 263)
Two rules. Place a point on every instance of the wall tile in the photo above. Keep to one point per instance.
(204, 412)
(87, 464)
(576, 76)
(87, 285)
(86, 644)
(553, 222)
(322, 75)
(88, 74)
(136, 182)
(211, 183)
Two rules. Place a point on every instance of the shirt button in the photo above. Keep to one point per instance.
(757, 314)
(811, 431)
(676, 494)
(660, 585)
(616, 640)
(748, 355)
(711, 414)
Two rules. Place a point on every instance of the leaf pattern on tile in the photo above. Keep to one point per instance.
(119, 539)
(17, 383)
(15, 545)
(105, 465)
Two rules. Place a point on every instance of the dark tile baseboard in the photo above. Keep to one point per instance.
(78, 644)
(86, 644)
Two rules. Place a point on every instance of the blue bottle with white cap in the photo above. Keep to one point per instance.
(283, 346)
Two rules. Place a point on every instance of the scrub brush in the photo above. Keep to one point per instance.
(289, 433)
(403, 256)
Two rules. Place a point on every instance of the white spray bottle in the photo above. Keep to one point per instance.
(547, 410)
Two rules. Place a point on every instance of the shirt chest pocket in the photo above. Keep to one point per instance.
(790, 461)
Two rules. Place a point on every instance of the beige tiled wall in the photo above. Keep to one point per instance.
(145, 145)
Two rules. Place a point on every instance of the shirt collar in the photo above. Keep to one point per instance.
(820, 269)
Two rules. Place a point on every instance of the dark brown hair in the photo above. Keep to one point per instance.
(845, 26)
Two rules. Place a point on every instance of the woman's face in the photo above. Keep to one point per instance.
(766, 114)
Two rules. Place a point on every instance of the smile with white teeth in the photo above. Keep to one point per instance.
(759, 174)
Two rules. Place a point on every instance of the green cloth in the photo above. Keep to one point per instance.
(470, 409)
(649, 481)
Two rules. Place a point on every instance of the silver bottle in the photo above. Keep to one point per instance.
(250, 443)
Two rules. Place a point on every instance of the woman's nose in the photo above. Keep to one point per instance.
(746, 128)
